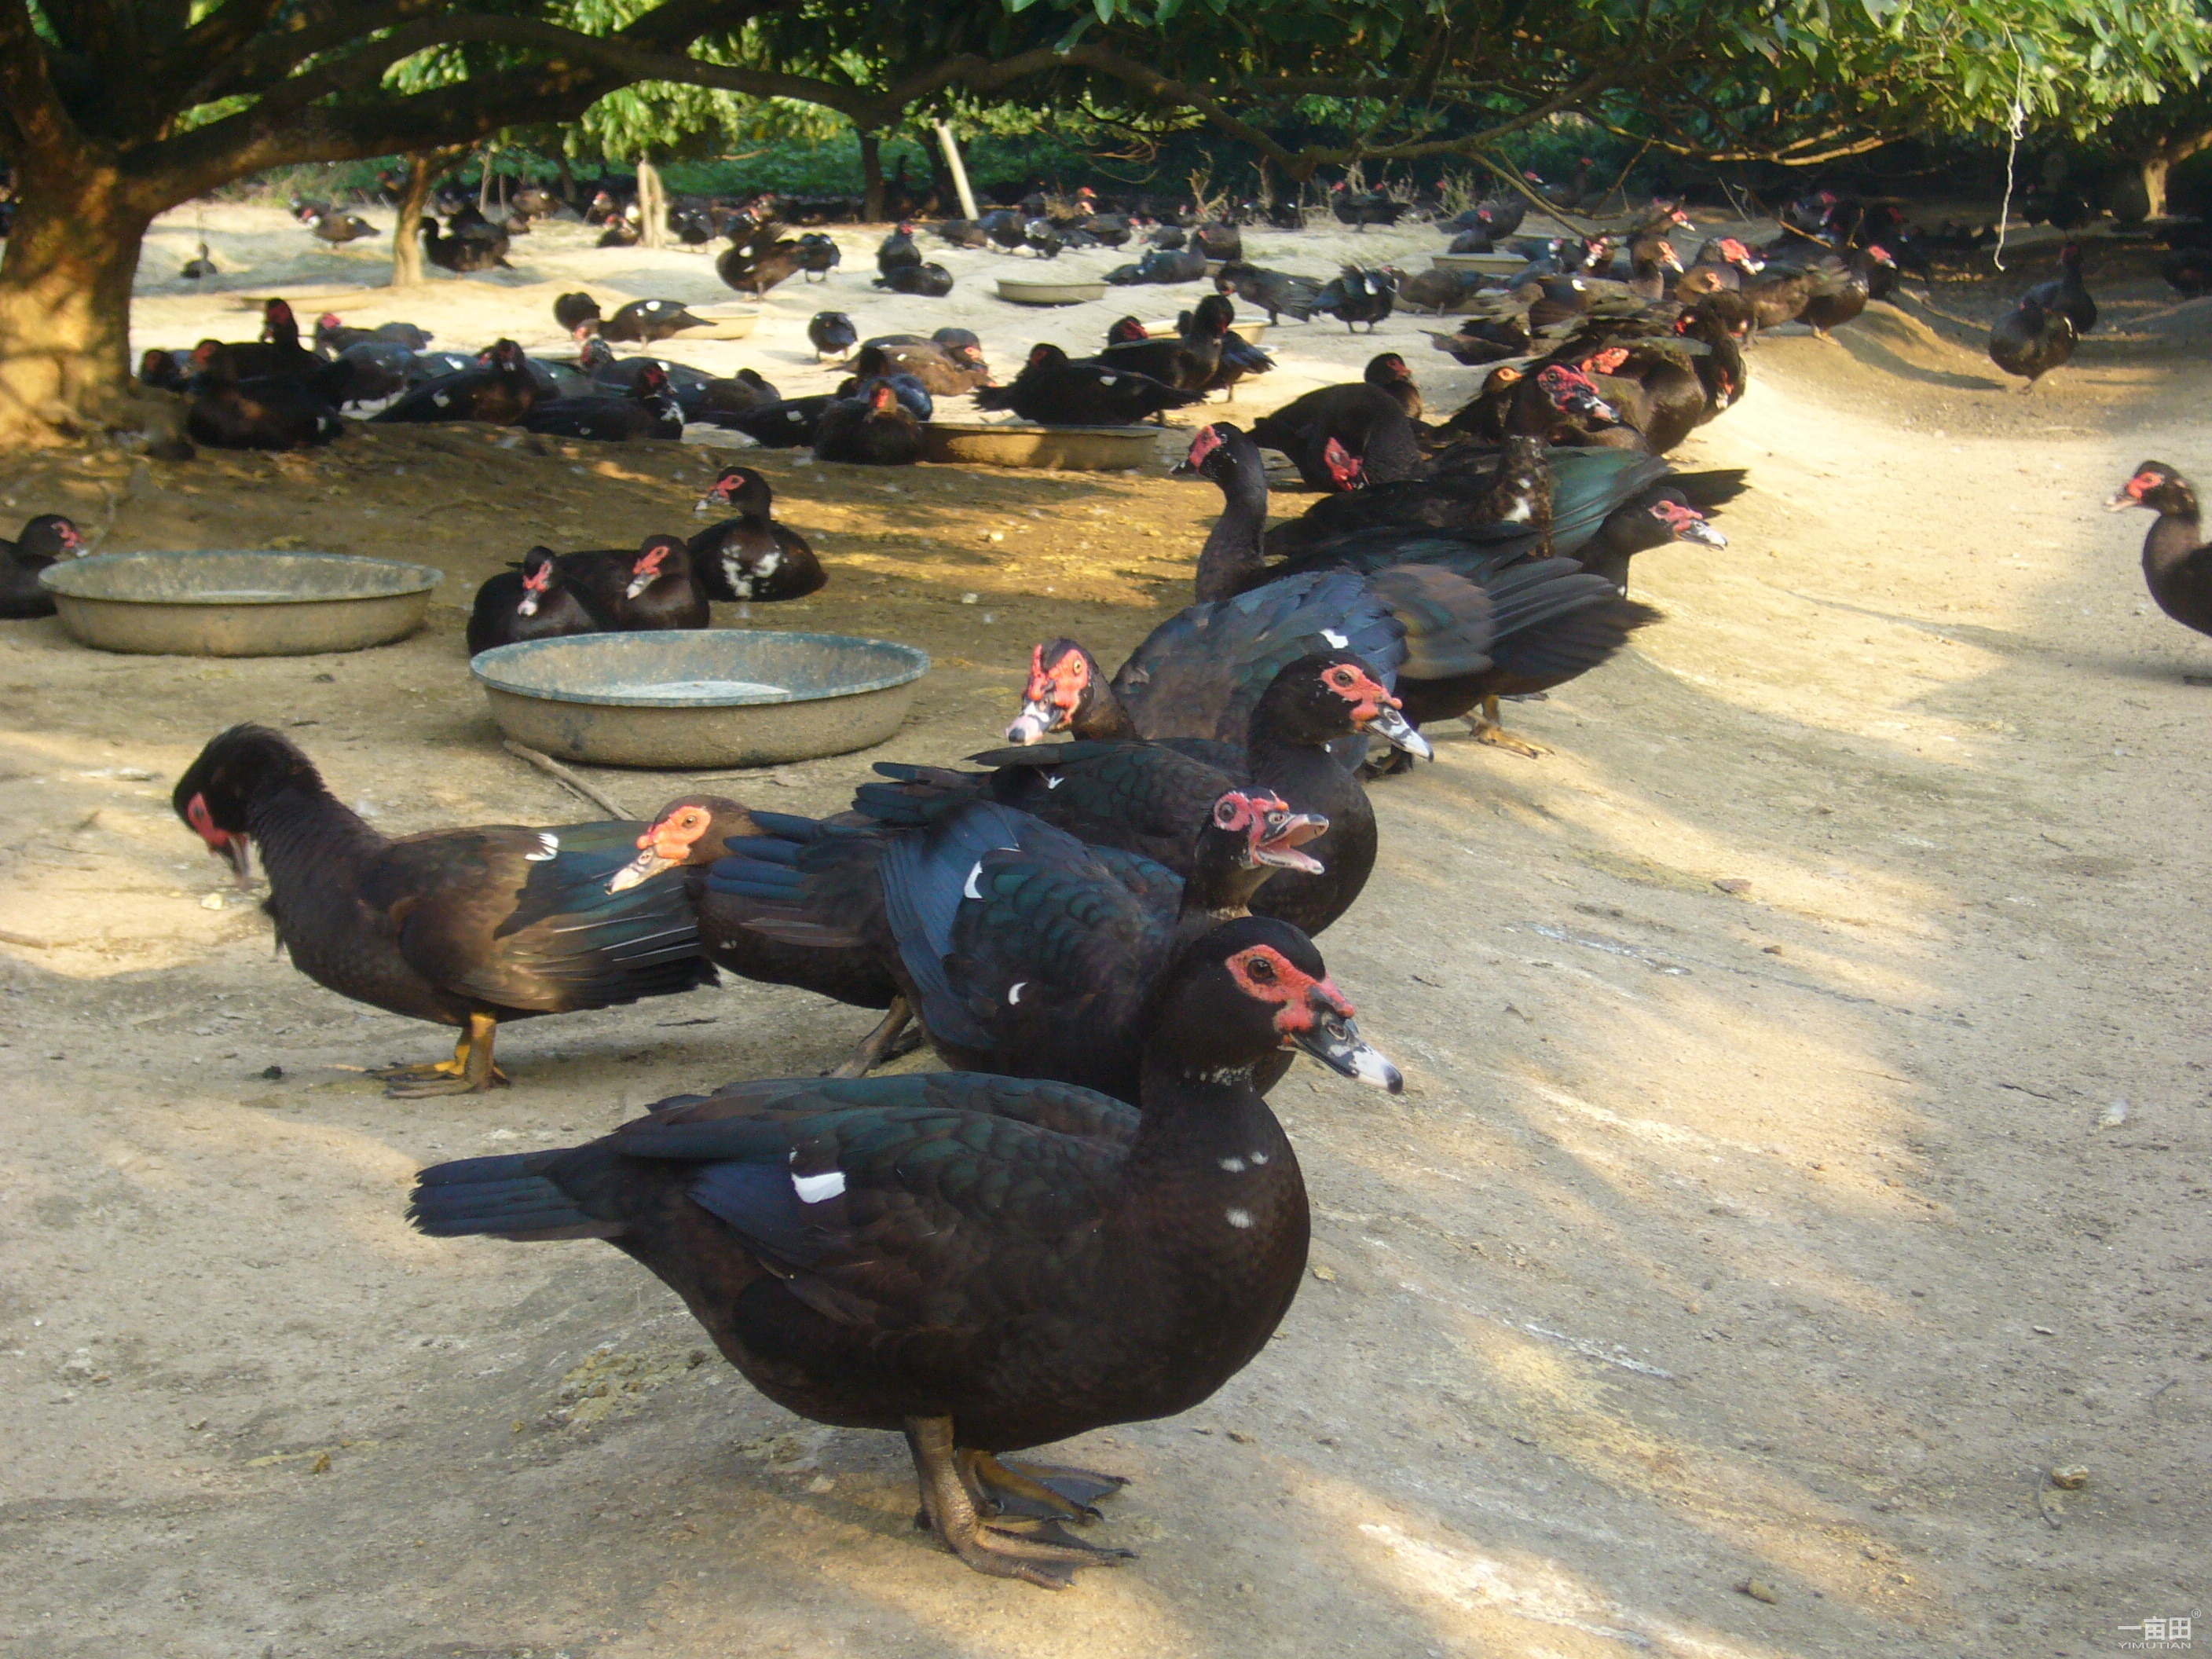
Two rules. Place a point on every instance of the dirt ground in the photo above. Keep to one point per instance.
(1804, 1154)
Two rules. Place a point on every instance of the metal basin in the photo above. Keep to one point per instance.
(687, 698)
(1022, 292)
(1490, 264)
(239, 604)
(1069, 448)
(1250, 332)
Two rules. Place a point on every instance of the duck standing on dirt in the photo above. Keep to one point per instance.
(831, 334)
(2177, 562)
(467, 927)
(42, 541)
(752, 557)
(2031, 339)
(984, 1263)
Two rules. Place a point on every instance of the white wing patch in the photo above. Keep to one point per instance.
(1014, 992)
(972, 890)
(817, 1189)
(1052, 779)
(1334, 638)
(548, 847)
(1238, 1218)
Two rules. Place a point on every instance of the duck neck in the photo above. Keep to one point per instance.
(1203, 1119)
(306, 838)
(1234, 552)
(1219, 888)
(1103, 717)
(2178, 532)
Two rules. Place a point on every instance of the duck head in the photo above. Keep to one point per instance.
(1570, 391)
(1347, 472)
(2156, 486)
(1065, 681)
(691, 829)
(657, 556)
(1682, 522)
(540, 573)
(213, 796)
(1331, 694)
(736, 486)
(1126, 329)
(49, 537)
(1250, 987)
(1269, 834)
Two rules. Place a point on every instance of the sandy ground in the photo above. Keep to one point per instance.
(1737, 1270)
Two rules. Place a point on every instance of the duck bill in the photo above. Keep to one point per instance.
(1700, 532)
(642, 868)
(1036, 718)
(639, 584)
(1335, 1043)
(1394, 729)
(2121, 502)
(1280, 850)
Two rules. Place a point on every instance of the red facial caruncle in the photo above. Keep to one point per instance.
(1061, 684)
(1208, 441)
(1343, 465)
(1367, 696)
(1266, 974)
(1606, 362)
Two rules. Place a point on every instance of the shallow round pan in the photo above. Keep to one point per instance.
(1069, 448)
(1022, 292)
(1250, 332)
(687, 698)
(237, 604)
(1490, 264)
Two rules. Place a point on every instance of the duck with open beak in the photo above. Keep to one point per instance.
(235, 845)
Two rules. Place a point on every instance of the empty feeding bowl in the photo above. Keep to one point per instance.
(687, 698)
(1489, 264)
(1070, 448)
(239, 604)
(1040, 293)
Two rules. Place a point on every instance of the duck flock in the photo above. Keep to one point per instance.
(1091, 1217)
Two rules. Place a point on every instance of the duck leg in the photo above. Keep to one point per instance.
(881, 1044)
(1486, 730)
(470, 1072)
(1046, 1490)
(1049, 1561)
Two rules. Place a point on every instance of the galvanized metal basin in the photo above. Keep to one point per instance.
(1070, 448)
(687, 698)
(238, 604)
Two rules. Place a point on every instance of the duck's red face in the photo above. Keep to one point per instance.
(536, 583)
(1368, 695)
(1266, 974)
(1880, 255)
(1345, 469)
(328, 319)
(1273, 833)
(724, 489)
(1685, 524)
(882, 400)
(1055, 693)
(1040, 354)
(651, 565)
(2150, 478)
(1605, 362)
(1668, 257)
(1205, 443)
(1570, 392)
(233, 845)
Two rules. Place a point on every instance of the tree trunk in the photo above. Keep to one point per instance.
(2153, 173)
(407, 225)
(65, 280)
(652, 204)
(871, 178)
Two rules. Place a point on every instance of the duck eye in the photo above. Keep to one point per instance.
(1260, 969)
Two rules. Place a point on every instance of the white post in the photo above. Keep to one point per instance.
(959, 172)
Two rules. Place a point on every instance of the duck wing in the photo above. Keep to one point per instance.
(521, 918)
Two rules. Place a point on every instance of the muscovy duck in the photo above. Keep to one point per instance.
(1160, 265)
(983, 1264)
(1149, 799)
(42, 541)
(818, 255)
(1343, 438)
(1544, 622)
(536, 601)
(652, 587)
(897, 251)
(752, 557)
(466, 927)
(875, 429)
(1358, 294)
(463, 251)
(271, 412)
(2176, 563)
(651, 411)
(831, 334)
(643, 321)
(1275, 292)
(929, 280)
(944, 371)
(1053, 391)
(2066, 294)
(1842, 290)
(500, 393)
(2031, 340)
